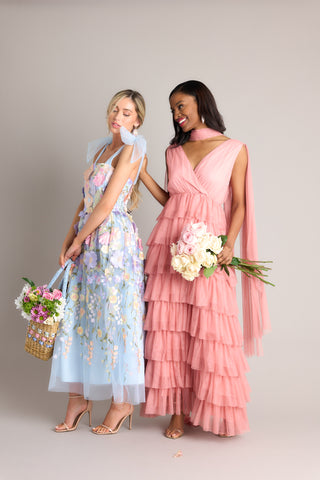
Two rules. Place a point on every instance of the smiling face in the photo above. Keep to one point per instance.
(185, 111)
(122, 114)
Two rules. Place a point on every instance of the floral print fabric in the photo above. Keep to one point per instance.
(99, 346)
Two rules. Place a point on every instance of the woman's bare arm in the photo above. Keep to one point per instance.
(154, 188)
(71, 234)
(123, 171)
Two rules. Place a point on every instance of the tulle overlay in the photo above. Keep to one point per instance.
(99, 346)
(194, 342)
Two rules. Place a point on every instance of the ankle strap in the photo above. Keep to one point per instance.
(76, 396)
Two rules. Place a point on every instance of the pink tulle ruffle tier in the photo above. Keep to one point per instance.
(195, 360)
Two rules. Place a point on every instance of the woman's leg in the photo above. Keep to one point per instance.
(115, 414)
(76, 405)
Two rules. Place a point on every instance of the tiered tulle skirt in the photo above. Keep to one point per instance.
(195, 361)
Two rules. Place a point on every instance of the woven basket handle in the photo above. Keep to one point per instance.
(64, 281)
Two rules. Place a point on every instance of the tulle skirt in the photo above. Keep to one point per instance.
(195, 359)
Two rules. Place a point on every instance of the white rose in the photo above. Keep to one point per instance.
(210, 260)
(200, 256)
(199, 229)
(186, 259)
(205, 241)
(188, 276)
(216, 245)
(193, 269)
(177, 263)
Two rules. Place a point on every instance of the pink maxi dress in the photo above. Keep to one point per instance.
(194, 343)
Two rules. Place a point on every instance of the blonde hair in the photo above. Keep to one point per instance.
(140, 107)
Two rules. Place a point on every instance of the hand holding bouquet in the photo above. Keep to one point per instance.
(198, 249)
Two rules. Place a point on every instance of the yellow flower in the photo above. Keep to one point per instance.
(82, 310)
(74, 297)
(80, 330)
(113, 299)
(141, 256)
(126, 276)
(32, 297)
(99, 333)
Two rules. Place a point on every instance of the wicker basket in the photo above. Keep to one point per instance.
(40, 339)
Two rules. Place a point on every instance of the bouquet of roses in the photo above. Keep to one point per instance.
(40, 304)
(197, 249)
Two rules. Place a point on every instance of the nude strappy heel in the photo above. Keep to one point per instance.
(110, 431)
(78, 417)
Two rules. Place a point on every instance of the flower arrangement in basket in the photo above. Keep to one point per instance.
(43, 307)
(197, 249)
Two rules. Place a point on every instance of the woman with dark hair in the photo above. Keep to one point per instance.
(195, 362)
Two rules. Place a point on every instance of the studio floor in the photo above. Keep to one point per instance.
(277, 447)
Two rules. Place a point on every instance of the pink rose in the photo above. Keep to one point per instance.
(189, 249)
(180, 247)
(99, 179)
(104, 238)
(48, 295)
(189, 237)
(56, 294)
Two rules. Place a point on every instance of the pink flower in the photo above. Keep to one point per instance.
(104, 238)
(189, 249)
(189, 237)
(87, 240)
(180, 247)
(48, 295)
(26, 299)
(99, 179)
(56, 294)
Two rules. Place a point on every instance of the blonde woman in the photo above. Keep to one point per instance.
(98, 352)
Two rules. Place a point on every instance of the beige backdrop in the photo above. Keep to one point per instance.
(60, 63)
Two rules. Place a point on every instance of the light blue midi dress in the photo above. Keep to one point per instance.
(99, 346)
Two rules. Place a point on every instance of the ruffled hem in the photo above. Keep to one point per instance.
(209, 386)
(201, 355)
(219, 420)
(202, 323)
(217, 292)
(167, 401)
(166, 375)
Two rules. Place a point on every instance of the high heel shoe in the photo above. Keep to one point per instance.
(110, 431)
(77, 418)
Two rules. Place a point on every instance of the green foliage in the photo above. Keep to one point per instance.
(207, 272)
(30, 282)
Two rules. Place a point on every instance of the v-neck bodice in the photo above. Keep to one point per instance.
(211, 176)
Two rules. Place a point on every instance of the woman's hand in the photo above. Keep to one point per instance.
(225, 257)
(73, 251)
(61, 256)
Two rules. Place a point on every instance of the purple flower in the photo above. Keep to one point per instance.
(117, 259)
(90, 259)
(35, 313)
